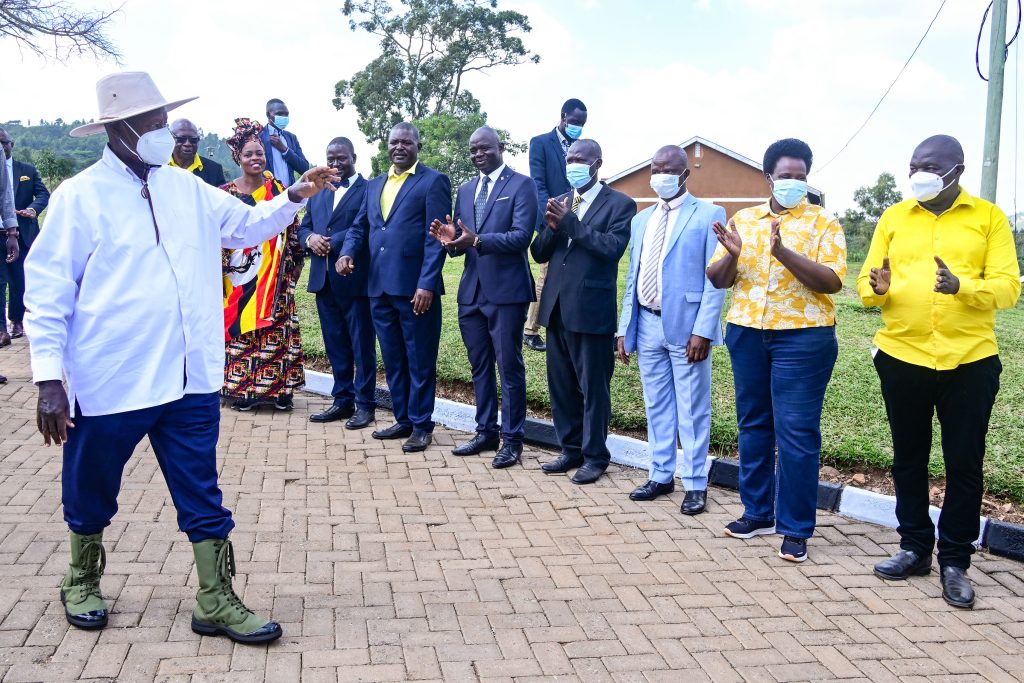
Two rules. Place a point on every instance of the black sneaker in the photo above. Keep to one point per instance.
(793, 549)
(748, 528)
(244, 404)
(284, 403)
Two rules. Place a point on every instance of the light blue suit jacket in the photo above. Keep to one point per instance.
(690, 304)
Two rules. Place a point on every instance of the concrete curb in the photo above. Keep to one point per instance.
(1000, 538)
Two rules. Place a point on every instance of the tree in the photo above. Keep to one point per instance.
(427, 50)
(859, 225)
(53, 168)
(72, 31)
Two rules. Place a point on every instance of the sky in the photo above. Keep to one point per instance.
(741, 73)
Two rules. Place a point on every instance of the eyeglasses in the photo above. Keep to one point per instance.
(183, 139)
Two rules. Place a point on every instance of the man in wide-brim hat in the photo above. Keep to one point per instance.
(125, 301)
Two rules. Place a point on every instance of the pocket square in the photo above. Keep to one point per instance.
(23, 178)
(500, 199)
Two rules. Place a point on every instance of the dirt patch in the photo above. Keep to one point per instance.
(872, 479)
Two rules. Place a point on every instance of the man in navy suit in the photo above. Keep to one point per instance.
(30, 198)
(547, 167)
(671, 316)
(405, 281)
(284, 155)
(585, 235)
(496, 213)
(341, 302)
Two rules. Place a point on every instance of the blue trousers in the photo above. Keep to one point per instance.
(184, 437)
(780, 378)
(409, 343)
(350, 345)
(677, 396)
(493, 333)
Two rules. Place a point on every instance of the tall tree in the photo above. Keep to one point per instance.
(428, 47)
(33, 24)
(859, 224)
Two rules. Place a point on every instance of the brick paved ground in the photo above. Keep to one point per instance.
(384, 567)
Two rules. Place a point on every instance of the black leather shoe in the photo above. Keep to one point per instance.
(417, 442)
(362, 418)
(508, 455)
(562, 464)
(480, 442)
(956, 587)
(333, 413)
(903, 564)
(652, 490)
(694, 502)
(588, 473)
(534, 342)
(395, 431)
(3, 380)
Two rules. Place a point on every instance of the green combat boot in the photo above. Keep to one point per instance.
(80, 592)
(218, 610)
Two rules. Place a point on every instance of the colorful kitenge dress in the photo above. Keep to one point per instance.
(264, 363)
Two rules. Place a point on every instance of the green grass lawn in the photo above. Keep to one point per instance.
(855, 431)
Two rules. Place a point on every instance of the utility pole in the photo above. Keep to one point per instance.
(994, 109)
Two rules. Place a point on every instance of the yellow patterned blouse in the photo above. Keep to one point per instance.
(766, 296)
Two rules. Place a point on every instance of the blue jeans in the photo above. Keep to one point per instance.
(780, 378)
(184, 437)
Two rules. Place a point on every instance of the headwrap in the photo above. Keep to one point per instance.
(246, 130)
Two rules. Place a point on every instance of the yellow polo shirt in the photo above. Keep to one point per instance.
(197, 164)
(766, 296)
(923, 327)
(391, 187)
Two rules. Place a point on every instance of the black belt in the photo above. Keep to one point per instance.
(651, 310)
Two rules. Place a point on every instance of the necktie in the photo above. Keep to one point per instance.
(481, 202)
(652, 261)
(576, 203)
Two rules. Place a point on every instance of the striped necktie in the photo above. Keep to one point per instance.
(652, 261)
(481, 202)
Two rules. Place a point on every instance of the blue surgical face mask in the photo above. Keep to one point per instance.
(281, 122)
(789, 191)
(573, 132)
(578, 175)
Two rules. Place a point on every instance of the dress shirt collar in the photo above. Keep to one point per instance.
(393, 172)
(962, 199)
(674, 203)
(495, 174)
(110, 160)
(197, 164)
(590, 195)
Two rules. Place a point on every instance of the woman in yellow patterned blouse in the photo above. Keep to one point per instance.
(783, 259)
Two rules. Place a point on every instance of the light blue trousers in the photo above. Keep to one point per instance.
(677, 396)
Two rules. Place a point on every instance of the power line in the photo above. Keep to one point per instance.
(887, 90)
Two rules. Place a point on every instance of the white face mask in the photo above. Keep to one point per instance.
(153, 148)
(927, 186)
(665, 185)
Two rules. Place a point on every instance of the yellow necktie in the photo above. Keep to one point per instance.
(576, 202)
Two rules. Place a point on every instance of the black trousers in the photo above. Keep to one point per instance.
(580, 370)
(963, 399)
(12, 275)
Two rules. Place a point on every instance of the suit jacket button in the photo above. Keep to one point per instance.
(382, 248)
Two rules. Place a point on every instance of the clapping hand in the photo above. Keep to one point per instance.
(880, 278)
(443, 232)
(312, 181)
(945, 281)
(555, 211)
(730, 239)
(776, 238)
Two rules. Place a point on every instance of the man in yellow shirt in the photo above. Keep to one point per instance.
(939, 266)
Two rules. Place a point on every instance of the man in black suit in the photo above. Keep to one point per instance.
(341, 302)
(30, 198)
(547, 167)
(284, 155)
(496, 214)
(585, 235)
(186, 154)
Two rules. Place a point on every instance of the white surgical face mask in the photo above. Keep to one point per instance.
(927, 186)
(789, 191)
(155, 147)
(665, 185)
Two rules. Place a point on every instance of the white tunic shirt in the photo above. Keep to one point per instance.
(131, 323)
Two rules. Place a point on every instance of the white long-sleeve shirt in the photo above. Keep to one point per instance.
(132, 323)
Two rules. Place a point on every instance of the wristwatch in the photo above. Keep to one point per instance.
(476, 242)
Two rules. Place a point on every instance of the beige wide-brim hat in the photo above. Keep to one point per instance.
(124, 95)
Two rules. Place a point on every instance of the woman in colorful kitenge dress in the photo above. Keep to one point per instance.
(263, 362)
